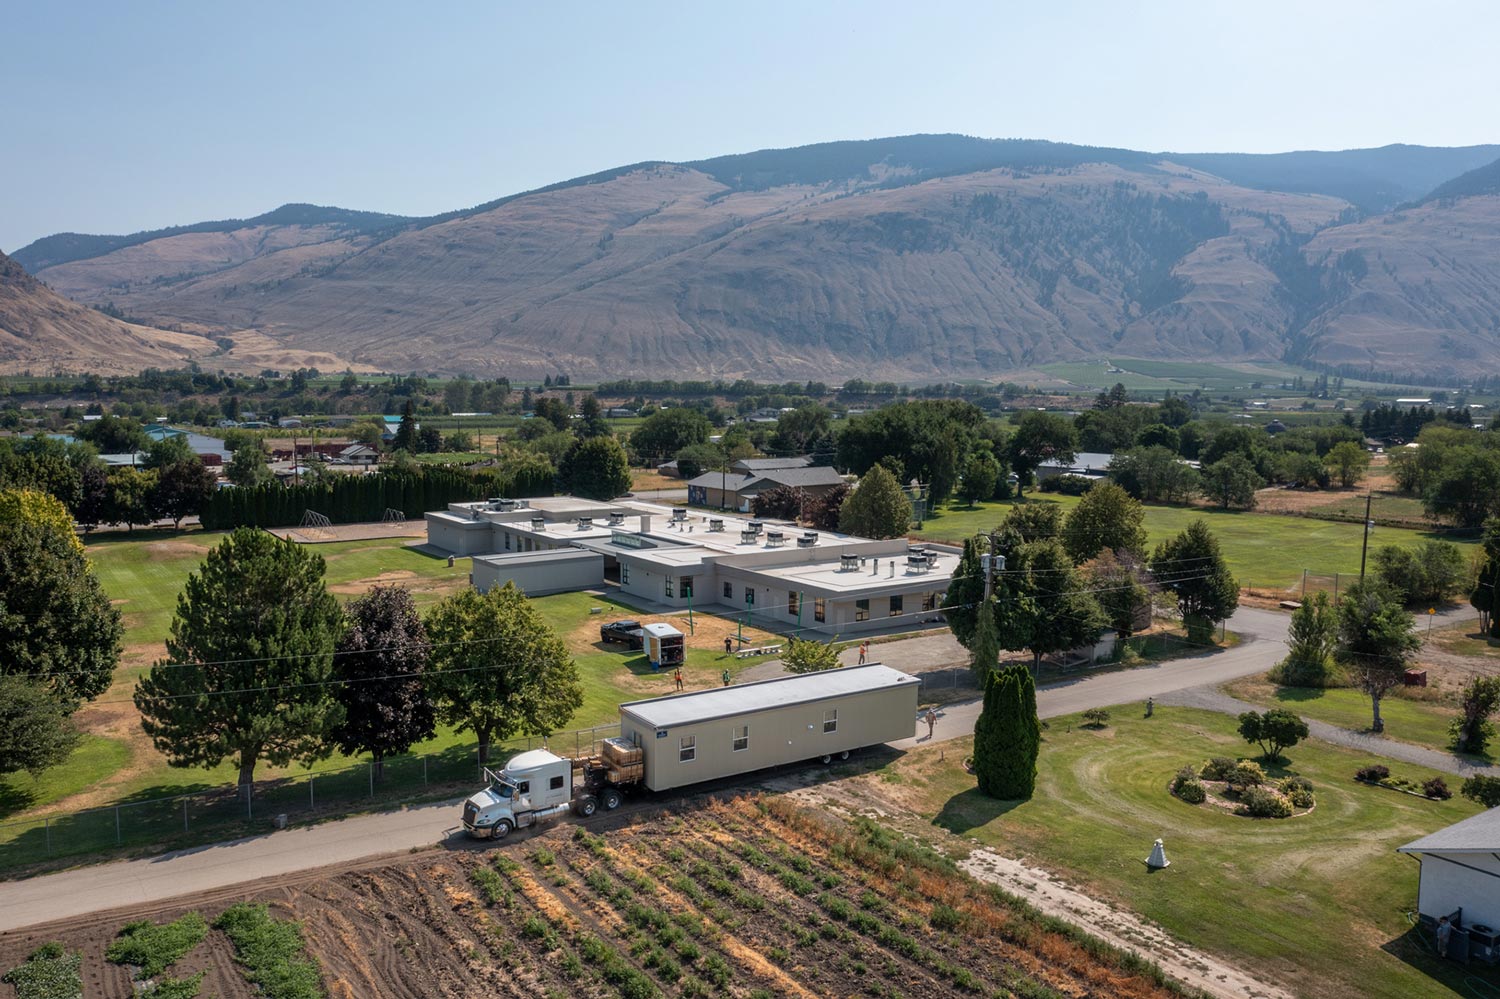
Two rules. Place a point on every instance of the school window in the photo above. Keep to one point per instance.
(820, 608)
(687, 749)
(685, 586)
(668, 584)
(741, 738)
(861, 610)
(556, 783)
(624, 574)
(507, 541)
(896, 604)
(793, 602)
(749, 596)
(929, 601)
(830, 720)
(728, 591)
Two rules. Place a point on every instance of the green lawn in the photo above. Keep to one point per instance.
(1262, 549)
(1317, 902)
(95, 759)
(1422, 722)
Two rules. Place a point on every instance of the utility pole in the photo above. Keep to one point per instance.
(1365, 544)
(992, 563)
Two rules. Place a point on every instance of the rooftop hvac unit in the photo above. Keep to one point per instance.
(848, 563)
(747, 537)
(755, 526)
(538, 523)
(616, 518)
(716, 523)
(523, 504)
(504, 504)
(775, 539)
(585, 523)
(679, 515)
(809, 539)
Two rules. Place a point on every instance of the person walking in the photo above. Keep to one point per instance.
(728, 645)
(864, 650)
(726, 678)
(931, 719)
(677, 675)
(1444, 931)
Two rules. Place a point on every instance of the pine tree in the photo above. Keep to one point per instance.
(406, 433)
(877, 508)
(249, 664)
(984, 645)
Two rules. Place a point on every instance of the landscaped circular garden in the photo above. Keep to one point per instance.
(1241, 787)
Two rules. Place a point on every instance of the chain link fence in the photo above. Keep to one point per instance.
(230, 810)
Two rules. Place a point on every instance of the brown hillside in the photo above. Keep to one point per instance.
(43, 332)
(665, 269)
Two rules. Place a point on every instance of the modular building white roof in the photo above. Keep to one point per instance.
(748, 698)
(1476, 834)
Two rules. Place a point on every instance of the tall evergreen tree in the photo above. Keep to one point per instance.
(406, 433)
(382, 658)
(1007, 739)
(984, 647)
(249, 668)
(877, 508)
(961, 601)
(1192, 568)
(499, 670)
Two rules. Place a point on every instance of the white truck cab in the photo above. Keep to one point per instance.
(534, 785)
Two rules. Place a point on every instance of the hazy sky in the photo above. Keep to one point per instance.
(126, 116)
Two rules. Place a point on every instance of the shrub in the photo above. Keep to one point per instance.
(1264, 803)
(1375, 773)
(152, 947)
(1068, 485)
(1485, 790)
(1191, 791)
(1246, 774)
(1436, 788)
(1299, 790)
(1218, 768)
(1096, 717)
(51, 972)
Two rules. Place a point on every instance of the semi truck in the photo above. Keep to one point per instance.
(681, 739)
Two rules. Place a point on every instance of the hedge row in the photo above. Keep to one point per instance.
(352, 499)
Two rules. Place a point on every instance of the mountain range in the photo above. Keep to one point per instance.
(911, 258)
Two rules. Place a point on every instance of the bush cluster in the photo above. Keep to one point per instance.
(1188, 787)
(1264, 803)
(1436, 788)
(1246, 774)
(1375, 773)
(1299, 791)
(1067, 485)
(1218, 768)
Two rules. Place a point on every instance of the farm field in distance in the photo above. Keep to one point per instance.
(750, 898)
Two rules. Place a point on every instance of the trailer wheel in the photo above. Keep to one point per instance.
(610, 799)
(844, 755)
(501, 829)
(827, 758)
(587, 805)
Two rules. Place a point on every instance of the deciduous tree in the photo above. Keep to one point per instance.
(1273, 731)
(1039, 438)
(877, 508)
(1107, 518)
(1348, 461)
(1232, 481)
(498, 669)
(1377, 639)
(809, 656)
(1471, 730)
(596, 468)
(981, 475)
(35, 731)
(380, 668)
(1311, 640)
(1191, 567)
(249, 670)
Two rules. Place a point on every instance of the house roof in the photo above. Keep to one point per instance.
(715, 480)
(745, 698)
(1094, 460)
(822, 475)
(1476, 834)
(765, 464)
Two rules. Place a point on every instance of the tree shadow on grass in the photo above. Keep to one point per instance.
(15, 799)
(971, 809)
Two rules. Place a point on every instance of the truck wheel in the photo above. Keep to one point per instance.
(610, 799)
(826, 758)
(844, 755)
(586, 806)
(501, 830)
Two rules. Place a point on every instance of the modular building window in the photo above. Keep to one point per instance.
(685, 586)
(896, 605)
(741, 738)
(687, 749)
(862, 610)
(507, 541)
(728, 591)
(624, 573)
(929, 601)
(830, 720)
(793, 602)
(668, 584)
(749, 596)
(820, 608)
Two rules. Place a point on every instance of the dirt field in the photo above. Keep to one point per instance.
(353, 532)
(751, 897)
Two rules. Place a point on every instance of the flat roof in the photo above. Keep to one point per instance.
(1476, 834)
(553, 555)
(747, 698)
(826, 575)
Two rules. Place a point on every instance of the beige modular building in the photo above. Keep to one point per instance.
(764, 573)
(707, 734)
